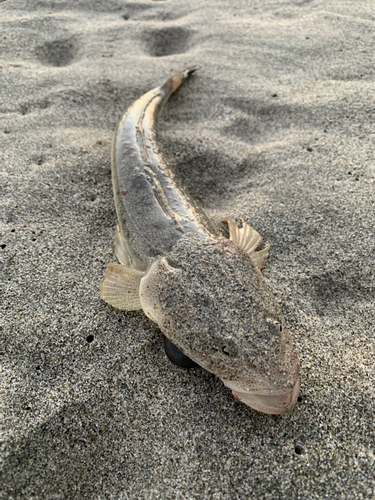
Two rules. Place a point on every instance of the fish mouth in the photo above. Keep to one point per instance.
(271, 404)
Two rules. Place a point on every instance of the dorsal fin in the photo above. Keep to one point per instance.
(120, 287)
(248, 240)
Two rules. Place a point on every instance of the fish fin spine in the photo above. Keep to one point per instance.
(248, 239)
(121, 248)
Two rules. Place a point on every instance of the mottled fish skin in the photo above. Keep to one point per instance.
(152, 211)
(206, 293)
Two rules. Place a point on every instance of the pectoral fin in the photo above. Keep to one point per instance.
(120, 287)
(248, 240)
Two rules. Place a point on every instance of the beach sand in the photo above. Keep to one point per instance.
(278, 128)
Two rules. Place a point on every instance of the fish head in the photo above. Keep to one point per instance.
(211, 301)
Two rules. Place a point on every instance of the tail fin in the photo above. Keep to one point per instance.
(172, 84)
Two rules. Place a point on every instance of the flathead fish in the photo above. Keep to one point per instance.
(205, 292)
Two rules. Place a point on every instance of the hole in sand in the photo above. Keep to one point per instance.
(40, 159)
(58, 52)
(90, 338)
(167, 41)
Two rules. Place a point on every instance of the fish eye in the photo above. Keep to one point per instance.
(229, 350)
(276, 323)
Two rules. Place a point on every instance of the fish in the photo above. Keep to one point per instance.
(205, 292)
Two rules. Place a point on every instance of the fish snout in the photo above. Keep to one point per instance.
(273, 404)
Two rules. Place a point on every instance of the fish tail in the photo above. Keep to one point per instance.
(172, 84)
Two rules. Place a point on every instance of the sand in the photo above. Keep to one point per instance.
(278, 128)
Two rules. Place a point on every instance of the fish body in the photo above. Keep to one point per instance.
(206, 293)
(152, 210)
